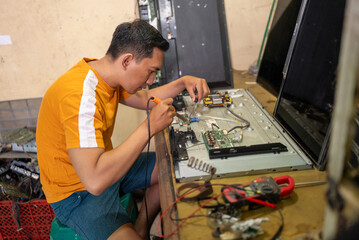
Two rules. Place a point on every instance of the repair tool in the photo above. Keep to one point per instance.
(263, 191)
(194, 108)
(157, 101)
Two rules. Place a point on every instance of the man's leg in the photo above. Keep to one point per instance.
(153, 206)
(96, 217)
(135, 179)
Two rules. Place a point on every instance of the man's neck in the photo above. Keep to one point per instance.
(103, 67)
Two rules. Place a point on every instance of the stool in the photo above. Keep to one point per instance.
(60, 231)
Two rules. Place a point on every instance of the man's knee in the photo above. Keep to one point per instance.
(126, 231)
(154, 175)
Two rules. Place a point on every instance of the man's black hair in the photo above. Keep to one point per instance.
(137, 37)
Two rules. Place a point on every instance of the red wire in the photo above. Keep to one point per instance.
(200, 207)
(178, 199)
(184, 220)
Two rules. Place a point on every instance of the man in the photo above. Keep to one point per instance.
(81, 173)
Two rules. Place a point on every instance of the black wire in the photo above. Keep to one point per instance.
(281, 225)
(279, 230)
(15, 207)
(230, 130)
(148, 149)
(213, 124)
(247, 123)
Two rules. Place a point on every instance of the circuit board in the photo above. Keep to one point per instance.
(217, 99)
(217, 139)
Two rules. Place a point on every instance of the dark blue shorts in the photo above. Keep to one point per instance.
(97, 217)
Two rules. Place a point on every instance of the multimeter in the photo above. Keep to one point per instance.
(263, 191)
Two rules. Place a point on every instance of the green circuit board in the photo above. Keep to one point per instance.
(217, 139)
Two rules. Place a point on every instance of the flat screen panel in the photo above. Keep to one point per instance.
(306, 100)
(270, 73)
(197, 33)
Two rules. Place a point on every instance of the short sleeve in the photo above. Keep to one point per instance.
(81, 119)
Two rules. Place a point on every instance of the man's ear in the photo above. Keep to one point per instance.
(127, 59)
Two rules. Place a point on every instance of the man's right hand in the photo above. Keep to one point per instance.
(161, 116)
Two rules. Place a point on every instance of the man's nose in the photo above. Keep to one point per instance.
(150, 80)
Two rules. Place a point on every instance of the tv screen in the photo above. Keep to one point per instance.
(270, 72)
(306, 99)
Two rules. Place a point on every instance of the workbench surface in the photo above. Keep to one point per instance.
(303, 210)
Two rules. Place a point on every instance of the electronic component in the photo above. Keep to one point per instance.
(19, 136)
(178, 103)
(184, 120)
(217, 100)
(178, 141)
(24, 170)
(26, 147)
(19, 179)
(220, 145)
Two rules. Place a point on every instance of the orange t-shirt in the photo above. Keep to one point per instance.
(77, 111)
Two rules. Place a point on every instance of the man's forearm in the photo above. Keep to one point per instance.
(98, 170)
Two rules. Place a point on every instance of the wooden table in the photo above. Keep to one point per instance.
(303, 210)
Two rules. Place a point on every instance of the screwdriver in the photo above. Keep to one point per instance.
(194, 108)
(157, 101)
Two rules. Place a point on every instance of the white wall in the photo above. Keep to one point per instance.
(48, 37)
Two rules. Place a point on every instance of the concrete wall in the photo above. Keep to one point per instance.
(48, 37)
(246, 20)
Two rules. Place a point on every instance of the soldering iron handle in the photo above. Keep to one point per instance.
(156, 100)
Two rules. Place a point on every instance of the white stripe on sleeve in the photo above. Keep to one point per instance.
(87, 111)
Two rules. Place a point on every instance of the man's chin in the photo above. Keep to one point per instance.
(134, 91)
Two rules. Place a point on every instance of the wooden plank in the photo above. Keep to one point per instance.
(166, 182)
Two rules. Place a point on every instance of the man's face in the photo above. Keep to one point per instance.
(141, 74)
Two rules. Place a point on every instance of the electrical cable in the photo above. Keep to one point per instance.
(275, 236)
(189, 216)
(148, 149)
(16, 217)
(218, 118)
(183, 220)
(247, 123)
(213, 124)
(230, 130)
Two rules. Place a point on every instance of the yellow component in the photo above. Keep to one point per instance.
(207, 101)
